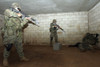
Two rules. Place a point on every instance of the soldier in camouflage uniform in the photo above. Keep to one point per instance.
(53, 31)
(88, 42)
(12, 33)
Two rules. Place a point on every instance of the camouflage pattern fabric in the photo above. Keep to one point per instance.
(88, 41)
(53, 33)
(12, 33)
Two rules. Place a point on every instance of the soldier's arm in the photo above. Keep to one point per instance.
(2, 28)
(60, 28)
(2, 32)
(51, 25)
(24, 22)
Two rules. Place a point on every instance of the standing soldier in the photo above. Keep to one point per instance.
(53, 31)
(12, 33)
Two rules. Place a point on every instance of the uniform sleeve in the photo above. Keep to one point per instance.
(6, 18)
(51, 25)
(50, 29)
(2, 28)
(25, 21)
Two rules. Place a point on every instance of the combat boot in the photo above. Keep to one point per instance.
(24, 59)
(5, 62)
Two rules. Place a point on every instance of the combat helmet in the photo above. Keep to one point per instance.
(54, 20)
(14, 5)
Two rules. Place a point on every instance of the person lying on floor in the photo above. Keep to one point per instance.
(89, 42)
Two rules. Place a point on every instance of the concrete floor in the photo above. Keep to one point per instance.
(44, 56)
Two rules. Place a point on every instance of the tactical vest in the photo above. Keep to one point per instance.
(53, 29)
(12, 26)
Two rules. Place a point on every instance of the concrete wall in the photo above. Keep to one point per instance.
(94, 19)
(75, 24)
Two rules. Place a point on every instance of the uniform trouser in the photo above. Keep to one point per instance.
(19, 47)
(85, 46)
(53, 36)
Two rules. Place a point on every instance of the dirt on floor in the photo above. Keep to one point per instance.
(45, 56)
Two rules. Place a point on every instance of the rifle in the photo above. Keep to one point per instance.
(59, 27)
(24, 15)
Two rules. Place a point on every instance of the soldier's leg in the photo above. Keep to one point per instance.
(19, 48)
(51, 40)
(7, 50)
(56, 38)
(91, 47)
(81, 47)
(85, 46)
(6, 54)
